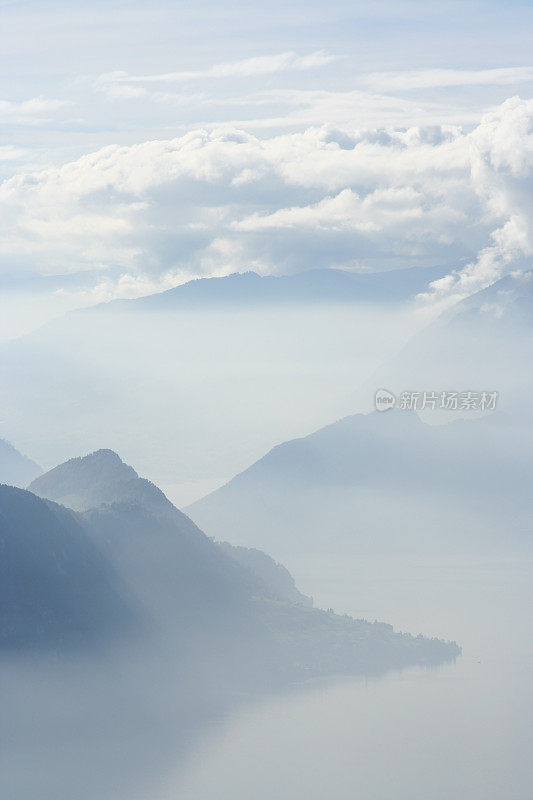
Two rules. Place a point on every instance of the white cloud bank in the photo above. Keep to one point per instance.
(212, 202)
(501, 156)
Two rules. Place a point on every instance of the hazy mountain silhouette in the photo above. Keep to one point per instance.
(102, 478)
(204, 596)
(510, 297)
(379, 483)
(125, 509)
(311, 286)
(56, 588)
(16, 469)
(484, 342)
(270, 572)
(196, 367)
(97, 479)
(161, 550)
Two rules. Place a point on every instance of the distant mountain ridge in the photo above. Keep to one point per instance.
(511, 296)
(311, 286)
(381, 481)
(96, 374)
(15, 468)
(484, 342)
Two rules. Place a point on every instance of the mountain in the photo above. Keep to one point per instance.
(270, 572)
(484, 342)
(178, 381)
(16, 469)
(102, 479)
(209, 598)
(321, 286)
(94, 480)
(163, 555)
(388, 482)
(56, 588)
(509, 298)
(381, 483)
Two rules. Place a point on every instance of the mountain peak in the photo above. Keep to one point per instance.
(87, 481)
(104, 456)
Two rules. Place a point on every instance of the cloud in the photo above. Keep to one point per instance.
(11, 153)
(442, 78)
(379, 211)
(287, 108)
(126, 286)
(112, 86)
(222, 200)
(163, 204)
(244, 68)
(32, 110)
(501, 154)
(299, 108)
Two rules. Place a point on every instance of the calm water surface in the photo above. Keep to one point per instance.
(460, 731)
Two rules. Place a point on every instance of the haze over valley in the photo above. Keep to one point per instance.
(266, 419)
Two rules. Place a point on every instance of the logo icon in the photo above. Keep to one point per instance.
(384, 400)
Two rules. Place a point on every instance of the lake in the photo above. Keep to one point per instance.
(459, 731)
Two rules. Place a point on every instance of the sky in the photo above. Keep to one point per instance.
(143, 145)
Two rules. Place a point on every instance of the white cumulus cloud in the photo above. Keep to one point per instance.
(501, 156)
(214, 201)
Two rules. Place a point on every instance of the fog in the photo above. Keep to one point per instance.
(458, 731)
(461, 731)
(108, 725)
(266, 418)
(126, 724)
(190, 398)
(383, 484)
(420, 520)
